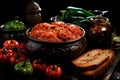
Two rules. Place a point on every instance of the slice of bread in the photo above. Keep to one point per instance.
(100, 69)
(91, 59)
(94, 62)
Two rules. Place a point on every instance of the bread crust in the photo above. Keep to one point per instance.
(95, 67)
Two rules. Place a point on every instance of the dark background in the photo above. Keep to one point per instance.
(11, 8)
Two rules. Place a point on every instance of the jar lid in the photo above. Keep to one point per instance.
(100, 20)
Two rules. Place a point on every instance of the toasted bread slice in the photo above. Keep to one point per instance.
(100, 69)
(91, 59)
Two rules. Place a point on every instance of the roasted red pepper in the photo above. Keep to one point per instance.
(39, 65)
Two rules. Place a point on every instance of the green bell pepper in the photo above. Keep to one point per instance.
(24, 67)
(14, 25)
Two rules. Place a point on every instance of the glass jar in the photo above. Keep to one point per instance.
(100, 32)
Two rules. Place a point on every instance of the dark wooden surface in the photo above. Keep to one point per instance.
(7, 73)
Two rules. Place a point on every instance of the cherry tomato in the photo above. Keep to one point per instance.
(53, 71)
(10, 44)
